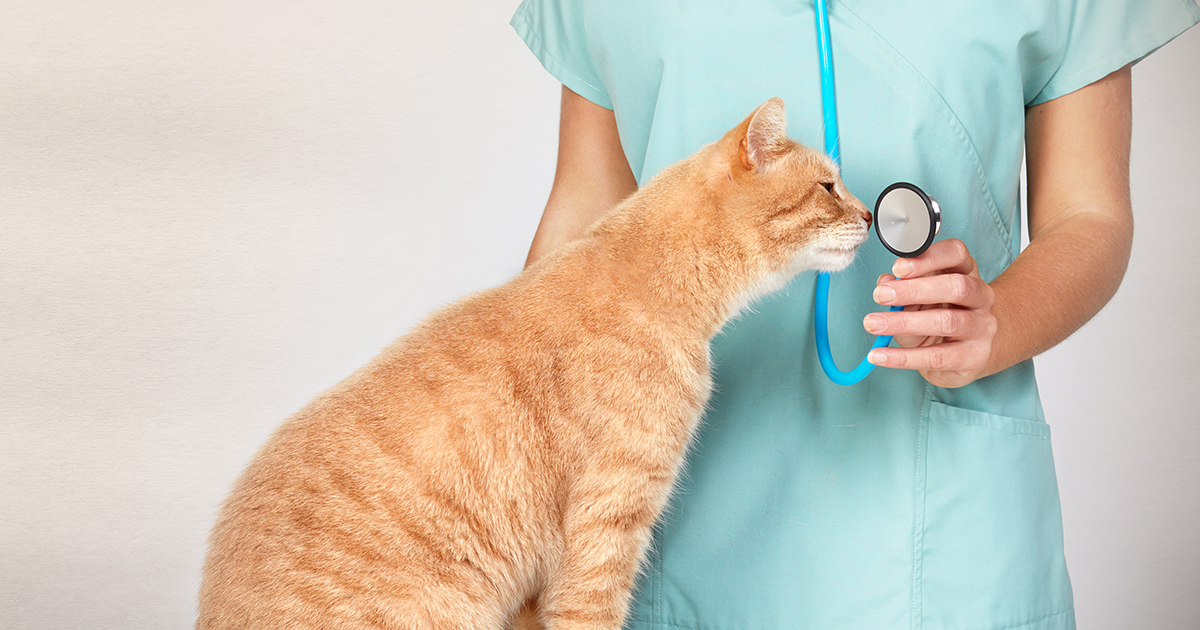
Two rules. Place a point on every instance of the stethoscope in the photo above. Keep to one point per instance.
(906, 219)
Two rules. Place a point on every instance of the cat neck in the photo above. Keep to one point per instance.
(667, 249)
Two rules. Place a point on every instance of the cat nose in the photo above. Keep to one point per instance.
(866, 215)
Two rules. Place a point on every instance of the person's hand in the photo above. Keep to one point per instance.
(947, 327)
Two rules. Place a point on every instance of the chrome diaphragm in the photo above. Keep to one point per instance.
(906, 219)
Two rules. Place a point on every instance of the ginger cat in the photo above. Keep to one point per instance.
(519, 445)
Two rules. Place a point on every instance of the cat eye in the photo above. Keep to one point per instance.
(828, 186)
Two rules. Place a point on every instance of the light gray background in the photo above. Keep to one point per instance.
(211, 211)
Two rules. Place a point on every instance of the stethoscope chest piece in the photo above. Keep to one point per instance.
(906, 219)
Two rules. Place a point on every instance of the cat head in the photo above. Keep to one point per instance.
(792, 211)
(736, 220)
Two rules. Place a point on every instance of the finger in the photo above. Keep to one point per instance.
(902, 341)
(948, 256)
(956, 288)
(905, 341)
(913, 341)
(954, 356)
(940, 322)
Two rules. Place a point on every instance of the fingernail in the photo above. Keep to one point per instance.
(876, 357)
(902, 267)
(884, 295)
(874, 323)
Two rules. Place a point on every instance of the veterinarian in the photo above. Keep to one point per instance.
(925, 496)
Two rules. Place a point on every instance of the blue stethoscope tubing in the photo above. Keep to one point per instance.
(833, 148)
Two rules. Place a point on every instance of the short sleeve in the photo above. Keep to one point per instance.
(555, 32)
(1102, 36)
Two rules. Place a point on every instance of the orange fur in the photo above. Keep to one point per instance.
(516, 448)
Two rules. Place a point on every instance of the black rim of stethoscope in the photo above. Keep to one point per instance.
(935, 219)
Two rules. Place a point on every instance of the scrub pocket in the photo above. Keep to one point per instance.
(991, 554)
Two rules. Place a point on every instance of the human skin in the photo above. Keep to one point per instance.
(955, 328)
(592, 174)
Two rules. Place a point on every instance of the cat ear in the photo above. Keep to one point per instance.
(766, 135)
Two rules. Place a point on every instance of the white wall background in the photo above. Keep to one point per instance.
(211, 211)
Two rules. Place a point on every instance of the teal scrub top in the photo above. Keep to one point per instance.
(891, 503)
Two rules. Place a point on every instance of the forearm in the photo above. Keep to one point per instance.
(1065, 276)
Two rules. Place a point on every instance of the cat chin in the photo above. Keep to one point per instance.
(836, 252)
(811, 258)
(831, 260)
